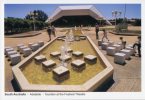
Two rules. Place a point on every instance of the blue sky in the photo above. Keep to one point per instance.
(21, 10)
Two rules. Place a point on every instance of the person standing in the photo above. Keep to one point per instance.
(49, 32)
(123, 42)
(104, 35)
(53, 30)
(138, 44)
(97, 30)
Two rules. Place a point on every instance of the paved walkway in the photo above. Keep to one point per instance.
(10, 84)
(127, 78)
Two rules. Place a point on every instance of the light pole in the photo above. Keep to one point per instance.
(33, 15)
(49, 22)
(116, 14)
(100, 19)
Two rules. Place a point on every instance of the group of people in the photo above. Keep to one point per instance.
(135, 45)
(51, 31)
(104, 33)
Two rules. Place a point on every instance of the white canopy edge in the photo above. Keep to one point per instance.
(76, 11)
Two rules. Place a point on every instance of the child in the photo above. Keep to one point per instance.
(105, 35)
(123, 42)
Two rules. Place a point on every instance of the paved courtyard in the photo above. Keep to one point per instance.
(126, 78)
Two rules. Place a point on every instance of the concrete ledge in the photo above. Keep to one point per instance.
(90, 85)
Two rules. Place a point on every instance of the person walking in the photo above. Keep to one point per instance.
(97, 30)
(104, 35)
(49, 32)
(53, 30)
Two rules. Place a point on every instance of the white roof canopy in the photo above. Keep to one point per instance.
(76, 11)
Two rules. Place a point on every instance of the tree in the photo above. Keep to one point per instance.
(39, 16)
(18, 25)
(137, 22)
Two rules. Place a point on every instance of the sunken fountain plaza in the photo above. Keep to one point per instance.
(73, 61)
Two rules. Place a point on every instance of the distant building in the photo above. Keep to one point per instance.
(76, 16)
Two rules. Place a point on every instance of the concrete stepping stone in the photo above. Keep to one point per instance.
(8, 47)
(30, 44)
(127, 52)
(65, 58)
(111, 51)
(40, 58)
(77, 53)
(118, 47)
(8, 50)
(18, 46)
(132, 51)
(104, 45)
(26, 52)
(69, 50)
(130, 45)
(49, 64)
(55, 54)
(120, 43)
(21, 48)
(11, 53)
(78, 65)
(35, 47)
(15, 59)
(77, 38)
(111, 43)
(119, 58)
(41, 43)
(90, 59)
(61, 73)
(82, 37)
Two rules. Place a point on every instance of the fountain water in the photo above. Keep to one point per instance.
(64, 49)
(71, 36)
(75, 28)
(63, 54)
(66, 44)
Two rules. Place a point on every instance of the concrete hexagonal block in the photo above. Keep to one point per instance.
(35, 47)
(26, 52)
(78, 65)
(127, 52)
(111, 51)
(65, 58)
(61, 73)
(15, 59)
(132, 51)
(77, 53)
(8, 50)
(91, 59)
(104, 45)
(118, 47)
(55, 54)
(21, 48)
(41, 43)
(40, 58)
(11, 53)
(18, 46)
(119, 58)
(48, 65)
